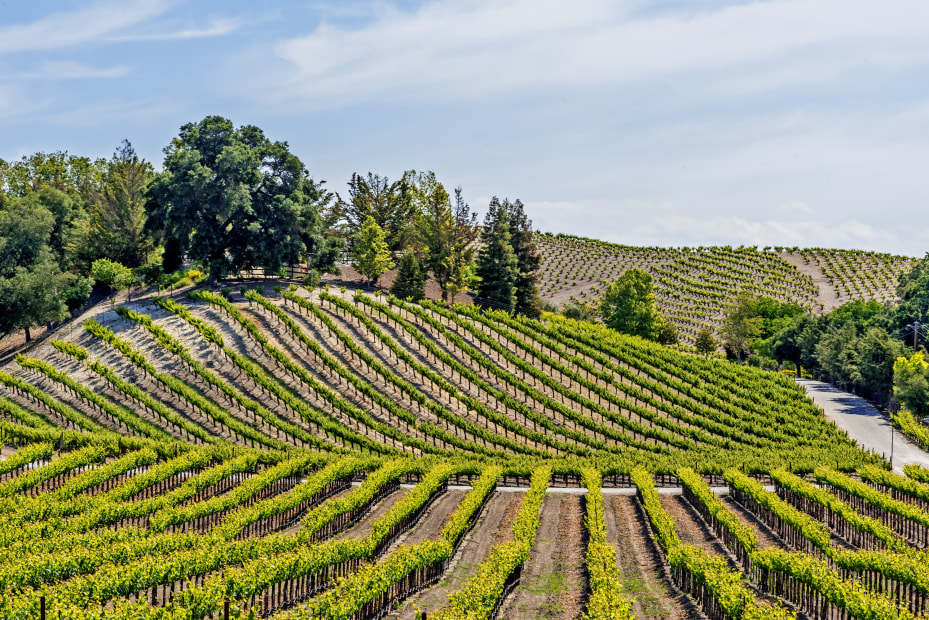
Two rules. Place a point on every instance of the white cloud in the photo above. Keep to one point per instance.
(76, 27)
(216, 28)
(67, 70)
(795, 207)
(453, 48)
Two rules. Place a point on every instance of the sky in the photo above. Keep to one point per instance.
(660, 122)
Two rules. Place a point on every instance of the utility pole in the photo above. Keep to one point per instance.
(915, 327)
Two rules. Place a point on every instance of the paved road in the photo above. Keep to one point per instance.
(865, 424)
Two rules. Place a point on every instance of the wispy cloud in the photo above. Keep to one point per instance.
(216, 28)
(67, 70)
(449, 48)
(77, 27)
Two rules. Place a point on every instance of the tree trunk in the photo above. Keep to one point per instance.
(28, 335)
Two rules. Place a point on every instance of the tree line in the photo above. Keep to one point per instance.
(875, 350)
(230, 200)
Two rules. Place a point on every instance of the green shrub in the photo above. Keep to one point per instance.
(311, 279)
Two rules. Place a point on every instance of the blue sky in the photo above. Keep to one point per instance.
(778, 122)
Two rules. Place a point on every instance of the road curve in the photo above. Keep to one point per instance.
(865, 424)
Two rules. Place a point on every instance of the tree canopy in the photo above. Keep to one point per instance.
(233, 199)
(34, 238)
(447, 232)
(628, 305)
(116, 211)
(411, 281)
(705, 343)
(911, 383)
(391, 205)
(371, 256)
(497, 263)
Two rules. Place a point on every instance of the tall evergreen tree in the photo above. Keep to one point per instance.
(459, 265)
(411, 281)
(497, 263)
(117, 211)
(391, 205)
(528, 300)
(447, 231)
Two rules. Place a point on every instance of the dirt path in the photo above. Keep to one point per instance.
(493, 526)
(294, 528)
(690, 527)
(363, 528)
(430, 524)
(828, 295)
(766, 538)
(553, 578)
(640, 564)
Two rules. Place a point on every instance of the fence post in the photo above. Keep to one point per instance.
(226, 609)
(42, 608)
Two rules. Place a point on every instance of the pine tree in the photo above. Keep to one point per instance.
(528, 300)
(497, 264)
(390, 204)
(411, 281)
(371, 255)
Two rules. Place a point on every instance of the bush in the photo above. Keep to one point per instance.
(112, 274)
(579, 312)
(765, 363)
(150, 273)
(311, 279)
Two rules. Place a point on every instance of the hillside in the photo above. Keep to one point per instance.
(394, 377)
(251, 453)
(694, 285)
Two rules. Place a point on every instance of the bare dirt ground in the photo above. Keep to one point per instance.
(640, 565)
(493, 526)
(430, 524)
(553, 579)
(766, 538)
(363, 528)
(351, 278)
(828, 296)
(690, 527)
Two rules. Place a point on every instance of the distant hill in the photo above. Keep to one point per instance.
(694, 285)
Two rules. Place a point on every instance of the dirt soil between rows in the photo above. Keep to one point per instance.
(493, 526)
(553, 579)
(641, 571)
